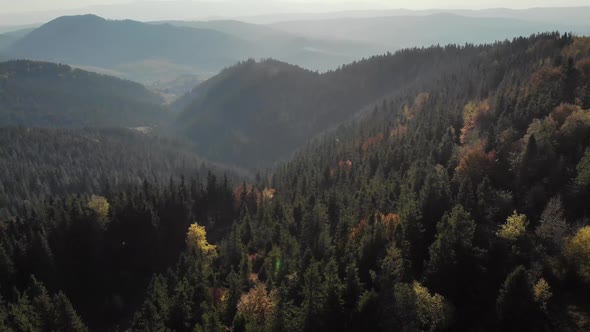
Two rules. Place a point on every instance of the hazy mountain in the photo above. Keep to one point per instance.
(561, 15)
(47, 94)
(247, 31)
(5, 41)
(94, 41)
(309, 52)
(422, 30)
(162, 51)
(17, 28)
(577, 16)
(8, 38)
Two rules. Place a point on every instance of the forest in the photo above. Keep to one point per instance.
(456, 202)
(41, 94)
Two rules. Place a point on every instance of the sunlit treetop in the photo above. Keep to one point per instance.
(99, 205)
(514, 227)
(577, 250)
(196, 240)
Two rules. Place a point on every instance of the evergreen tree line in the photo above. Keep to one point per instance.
(39, 163)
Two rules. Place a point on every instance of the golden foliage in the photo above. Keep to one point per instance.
(268, 194)
(577, 251)
(577, 124)
(196, 241)
(475, 114)
(258, 305)
(99, 205)
(514, 227)
(542, 293)
(432, 310)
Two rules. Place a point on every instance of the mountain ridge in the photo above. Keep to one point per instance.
(36, 93)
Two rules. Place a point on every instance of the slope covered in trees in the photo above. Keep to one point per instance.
(40, 164)
(459, 203)
(44, 94)
(235, 115)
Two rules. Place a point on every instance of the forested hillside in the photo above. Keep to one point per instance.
(457, 203)
(42, 94)
(39, 164)
(235, 115)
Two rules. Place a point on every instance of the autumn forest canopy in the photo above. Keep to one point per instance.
(440, 188)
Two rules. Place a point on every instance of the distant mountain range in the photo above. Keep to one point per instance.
(151, 52)
(558, 15)
(118, 45)
(161, 51)
(395, 32)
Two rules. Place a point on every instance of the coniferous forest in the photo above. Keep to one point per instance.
(456, 202)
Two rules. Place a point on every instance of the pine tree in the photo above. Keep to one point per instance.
(66, 318)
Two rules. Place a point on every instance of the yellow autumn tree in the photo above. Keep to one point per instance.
(99, 205)
(196, 241)
(577, 251)
(542, 293)
(432, 310)
(514, 227)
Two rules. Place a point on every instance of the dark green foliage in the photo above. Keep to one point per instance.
(515, 302)
(453, 254)
(41, 94)
(40, 163)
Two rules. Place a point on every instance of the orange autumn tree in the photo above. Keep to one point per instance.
(474, 162)
(390, 222)
(258, 306)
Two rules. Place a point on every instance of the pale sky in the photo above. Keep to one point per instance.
(17, 12)
(7, 6)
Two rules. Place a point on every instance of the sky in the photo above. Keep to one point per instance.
(11, 6)
(16, 12)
